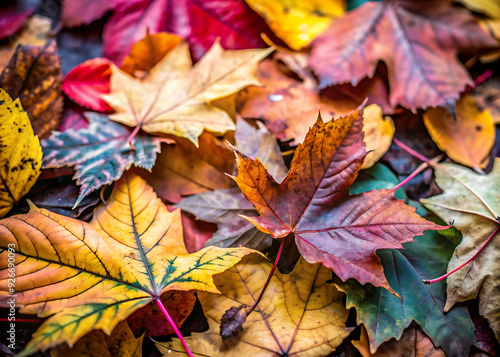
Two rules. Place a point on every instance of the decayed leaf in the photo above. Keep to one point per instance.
(330, 226)
(100, 153)
(413, 343)
(121, 343)
(20, 153)
(300, 314)
(94, 276)
(183, 169)
(472, 202)
(87, 82)
(385, 316)
(225, 207)
(146, 53)
(378, 131)
(175, 98)
(466, 138)
(298, 22)
(421, 73)
(34, 75)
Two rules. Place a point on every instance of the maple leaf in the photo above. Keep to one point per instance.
(421, 73)
(472, 202)
(330, 226)
(20, 153)
(121, 342)
(297, 22)
(466, 138)
(34, 75)
(299, 314)
(100, 153)
(175, 98)
(94, 276)
(386, 316)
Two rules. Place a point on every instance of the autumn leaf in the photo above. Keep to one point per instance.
(385, 316)
(131, 253)
(330, 226)
(413, 342)
(87, 82)
(100, 153)
(466, 138)
(76, 13)
(175, 98)
(378, 132)
(11, 21)
(121, 343)
(227, 206)
(297, 23)
(487, 97)
(472, 202)
(422, 73)
(34, 75)
(299, 314)
(20, 153)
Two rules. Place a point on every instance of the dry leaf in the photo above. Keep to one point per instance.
(378, 131)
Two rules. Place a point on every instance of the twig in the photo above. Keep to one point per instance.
(174, 326)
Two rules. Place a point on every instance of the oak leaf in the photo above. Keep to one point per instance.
(121, 343)
(312, 202)
(417, 41)
(466, 138)
(472, 202)
(100, 153)
(385, 316)
(94, 276)
(34, 75)
(20, 153)
(297, 23)
(175, 98)
(300, 313)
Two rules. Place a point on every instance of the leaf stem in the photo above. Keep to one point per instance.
(419, 169)
(132, 136)
(269, 277)
(464, 264)
(409, 150)
(174, 326)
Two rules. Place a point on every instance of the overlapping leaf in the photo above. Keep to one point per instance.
(300, 314)
(20, 153)
(385, 316)
(330, 226)
(34, 75)
(100, 153)
(472, 202)
(94, 276)
(175, 98)
(417, 41)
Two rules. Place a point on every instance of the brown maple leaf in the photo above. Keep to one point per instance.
(330, 226)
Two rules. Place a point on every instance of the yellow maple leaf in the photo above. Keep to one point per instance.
(93, 278)
(175, 97)
(20, 153)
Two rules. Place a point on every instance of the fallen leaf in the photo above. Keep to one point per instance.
(179, 305)
(378, 132)
(100, 153)
(83, 12)
(466, 138)
(34, 75)
(330, 226)
(421, 74)
(121, 343)
(385, 316)
(11, 21)
(225, 207)
(131, 253)
(175, 98)
(472, 202)
(487, 97)
(300, 314)
(413, 343)
(20, 153)
(297, 23)
(146, 53)
(86, 83)
(183, 169)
